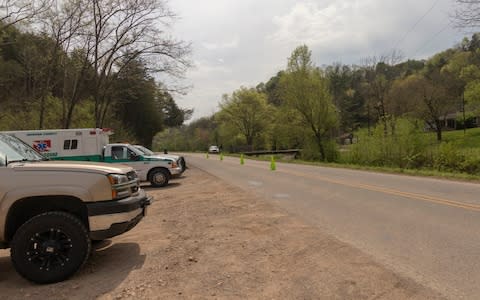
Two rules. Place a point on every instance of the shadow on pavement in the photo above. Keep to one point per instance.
(171, 185)
(107, 267)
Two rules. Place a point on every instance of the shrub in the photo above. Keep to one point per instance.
(311, 152)
(404, 146)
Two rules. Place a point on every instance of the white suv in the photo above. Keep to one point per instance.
(213, 149)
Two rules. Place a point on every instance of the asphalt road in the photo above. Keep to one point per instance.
(423, 228)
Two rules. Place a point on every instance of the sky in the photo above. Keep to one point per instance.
(244, 42)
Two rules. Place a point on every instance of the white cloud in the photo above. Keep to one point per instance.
(371, 27)
(222, 45)
(244, 42)
(205, 68)
(307, 22)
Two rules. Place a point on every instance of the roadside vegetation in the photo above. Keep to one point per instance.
(387, 112)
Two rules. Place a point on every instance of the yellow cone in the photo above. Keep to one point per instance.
(207, 155)
(241, 159)
(221, 156)
(273, 167)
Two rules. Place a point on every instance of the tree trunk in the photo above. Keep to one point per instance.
(438, 129)
(42, 112)
(68, 120)
(249, 141)
(320, 146)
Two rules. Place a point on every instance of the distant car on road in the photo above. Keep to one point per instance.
(213, 149)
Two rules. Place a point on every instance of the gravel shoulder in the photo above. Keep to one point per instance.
(204, 239)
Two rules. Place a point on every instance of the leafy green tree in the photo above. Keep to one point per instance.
(247, 111)
(306, 90)
(345, 85)
(173, 115)
(287, 131)
(273, 91)
(428, 97)
(136, 102)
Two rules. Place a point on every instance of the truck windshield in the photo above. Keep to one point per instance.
(146, 151)
(13, 149)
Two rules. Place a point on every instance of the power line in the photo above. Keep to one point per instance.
(431, 39)
(415, 25)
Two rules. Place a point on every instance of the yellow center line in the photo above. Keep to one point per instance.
(409, 195)
(414, 196)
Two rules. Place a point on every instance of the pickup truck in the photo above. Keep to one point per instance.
(179, 159)
(50, 211)
(157, 170)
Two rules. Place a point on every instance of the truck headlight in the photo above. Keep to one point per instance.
(117, 179)
(120, 186)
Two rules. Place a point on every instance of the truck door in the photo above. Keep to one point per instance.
(124, 155)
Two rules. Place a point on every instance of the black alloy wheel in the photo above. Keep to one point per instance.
(50, 247)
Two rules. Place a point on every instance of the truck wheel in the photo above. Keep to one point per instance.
(182, 164)
(159, 178)
(50, 247)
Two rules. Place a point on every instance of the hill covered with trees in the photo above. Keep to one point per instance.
(80, 63)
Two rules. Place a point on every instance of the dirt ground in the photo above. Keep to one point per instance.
(204, 239)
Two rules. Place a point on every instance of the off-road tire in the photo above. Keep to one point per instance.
(50, 247)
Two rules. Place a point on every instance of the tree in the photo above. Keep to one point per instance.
(16, 11)
(428, 98)
(135, 95)
(119, 31)
(379, 74)
(288, 131)
(69, 72)
(306, 89)
(174, 116)
(273, 91)
(345, 84)
(247, 111)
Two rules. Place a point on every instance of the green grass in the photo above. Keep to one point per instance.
(469, 140)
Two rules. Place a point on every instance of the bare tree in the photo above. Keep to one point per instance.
(120, 31)
(62, 23)
(65, 23)
(378, 79)
(15, 11)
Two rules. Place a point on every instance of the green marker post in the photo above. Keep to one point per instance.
(273, 166)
